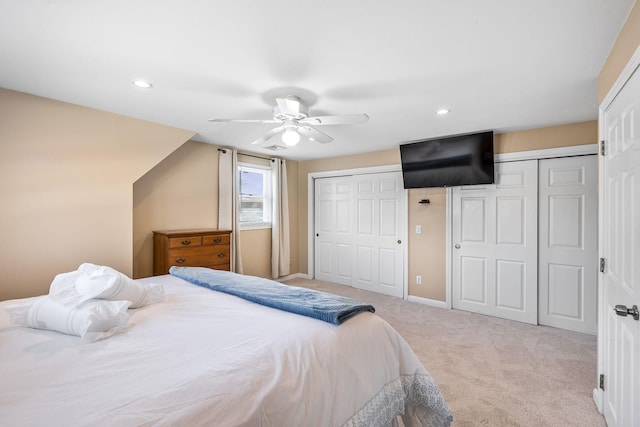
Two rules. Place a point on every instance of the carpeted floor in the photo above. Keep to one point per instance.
(494, 372)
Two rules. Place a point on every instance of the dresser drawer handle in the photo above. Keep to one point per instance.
(221, 255)
(217, 240)
(180, 260)
(186, 242)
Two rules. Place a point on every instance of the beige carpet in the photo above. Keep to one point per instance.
(494, 372)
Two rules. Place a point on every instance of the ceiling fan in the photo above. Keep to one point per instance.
(293, 116)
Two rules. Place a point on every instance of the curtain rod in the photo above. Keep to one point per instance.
(249, 155)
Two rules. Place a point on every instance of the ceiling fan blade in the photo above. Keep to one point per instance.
(348, 119)
(314, 134)
(245, 121)
(267, 136)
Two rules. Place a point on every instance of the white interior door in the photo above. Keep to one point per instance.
(568, 250)
(379, 225)
(360, 221)
(494, 258)
(621, 252)
(334, 246)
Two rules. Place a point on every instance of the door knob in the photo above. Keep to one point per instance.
(622, 310)
(457, 246)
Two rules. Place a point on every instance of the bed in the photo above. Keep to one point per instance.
(206, 358)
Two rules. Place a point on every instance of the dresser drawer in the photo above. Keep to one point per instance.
(216, 239)
(221, 255)
(199, 256)
(182, 242)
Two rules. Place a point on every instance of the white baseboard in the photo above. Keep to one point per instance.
(292, 276)
(598, 398)
(427, 301)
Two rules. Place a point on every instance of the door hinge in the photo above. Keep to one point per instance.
(602, 265)
(602, 149)
(602, 382)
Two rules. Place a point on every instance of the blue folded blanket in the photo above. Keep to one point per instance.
(307, 302)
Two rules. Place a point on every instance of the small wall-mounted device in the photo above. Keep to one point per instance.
(424, 201)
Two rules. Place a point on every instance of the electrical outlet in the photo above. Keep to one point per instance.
(418, 280)
(418, 229)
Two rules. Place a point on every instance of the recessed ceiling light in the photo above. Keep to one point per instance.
(442, 111)
(142, 84)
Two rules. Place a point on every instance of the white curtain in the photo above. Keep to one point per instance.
(229, 202)
(280, 251)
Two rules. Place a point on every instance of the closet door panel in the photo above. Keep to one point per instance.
(495, 244)
(568, 254)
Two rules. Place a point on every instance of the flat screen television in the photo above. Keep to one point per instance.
(448, 161)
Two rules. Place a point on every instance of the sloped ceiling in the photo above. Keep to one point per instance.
(499, 65)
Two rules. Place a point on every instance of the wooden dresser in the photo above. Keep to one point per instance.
(191, 248)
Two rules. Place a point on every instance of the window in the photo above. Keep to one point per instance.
(255, 196)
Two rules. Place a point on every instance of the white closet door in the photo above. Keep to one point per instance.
(360, 221)
(380, 221)
(495, 244)
(334, 221)
(621, 251)
(568, 251)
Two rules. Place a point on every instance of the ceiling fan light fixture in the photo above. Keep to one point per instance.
(293, 116)
(290, 137)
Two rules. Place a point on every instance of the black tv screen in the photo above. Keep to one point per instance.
(448, 161)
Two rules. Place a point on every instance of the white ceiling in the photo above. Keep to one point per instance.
(499, 65)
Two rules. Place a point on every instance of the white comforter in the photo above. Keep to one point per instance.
(203, 358)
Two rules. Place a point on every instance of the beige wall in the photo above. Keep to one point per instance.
(66, 187)
(181, 192)
(256, 252)
(625, 46)
(427, 250)
(294, 215)
(549, 137)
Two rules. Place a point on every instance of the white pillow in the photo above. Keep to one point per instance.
(102, 282)
(92, 320)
